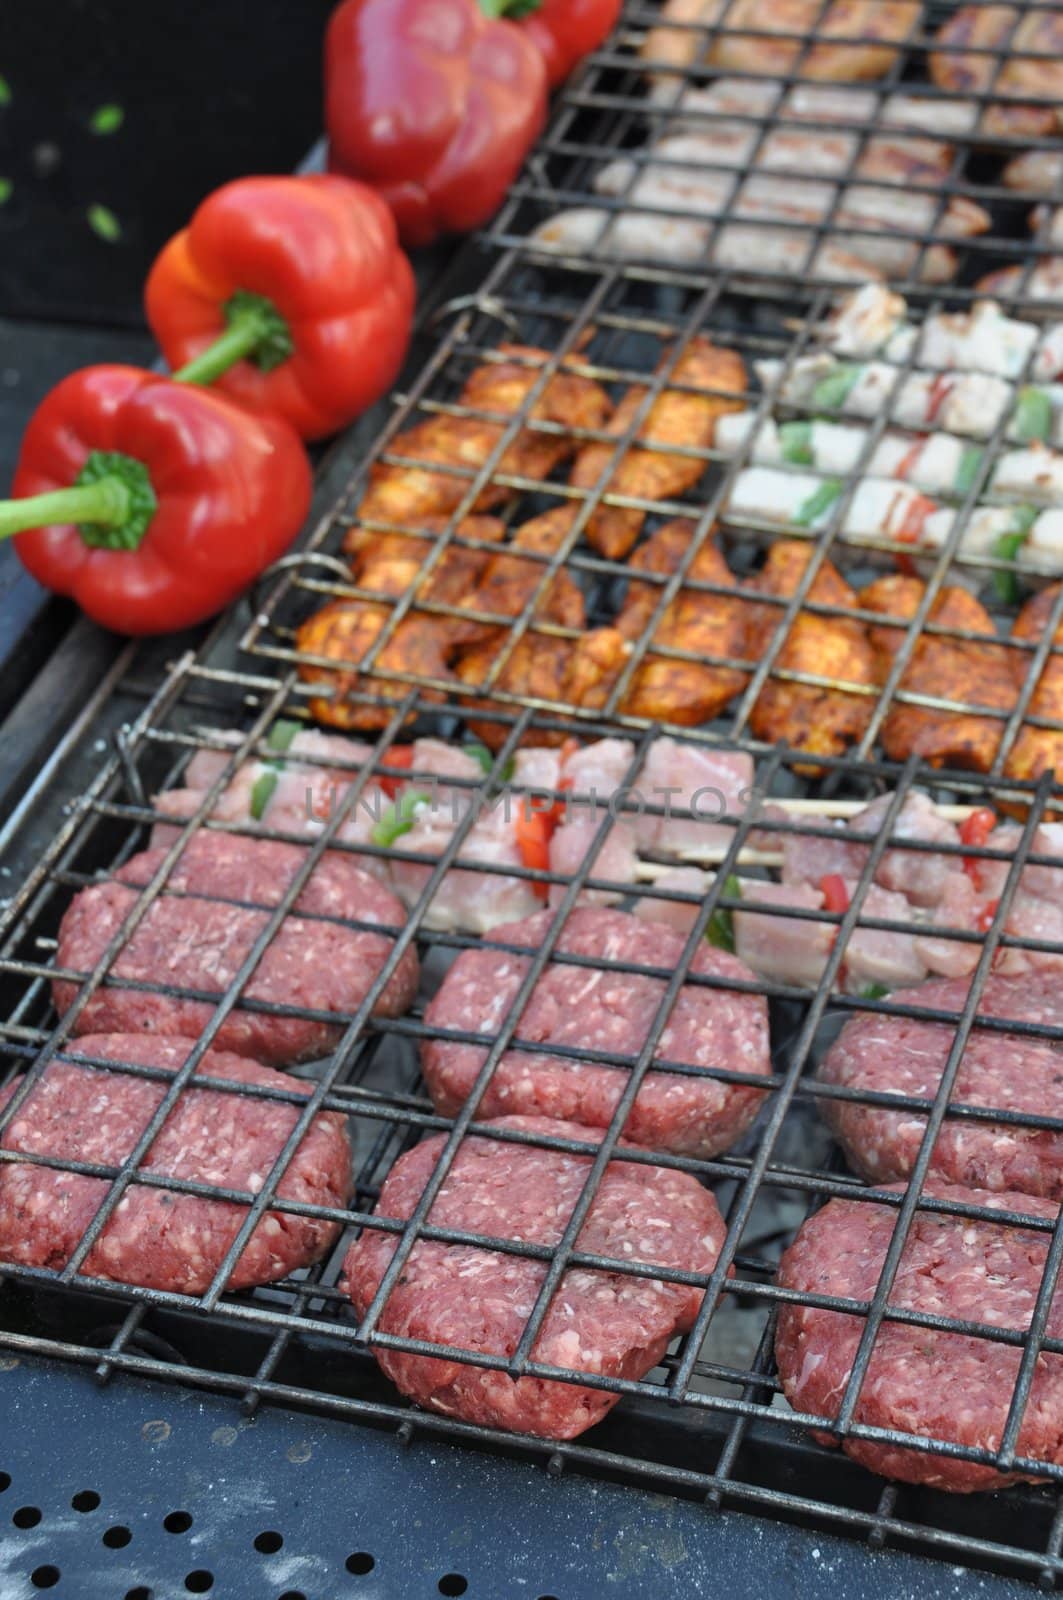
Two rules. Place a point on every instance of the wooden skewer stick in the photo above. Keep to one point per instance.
(711, 857)
(853, 808)
(649, 871)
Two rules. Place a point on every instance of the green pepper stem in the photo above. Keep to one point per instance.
(106, 502)
(241, 338)
(511, 10)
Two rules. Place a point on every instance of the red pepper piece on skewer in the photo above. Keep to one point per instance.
(975, 830)
(835, 894)
(291, 294)
(150, 503)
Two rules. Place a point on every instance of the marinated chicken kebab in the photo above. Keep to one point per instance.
(553, 812)
(746, 170)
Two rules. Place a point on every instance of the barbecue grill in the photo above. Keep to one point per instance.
(272, 1395)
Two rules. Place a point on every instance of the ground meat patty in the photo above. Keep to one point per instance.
(949, 1386)
(1009, 1072)
(479, 1300)
(156, 1237)
(599, 1009)
(200, 944)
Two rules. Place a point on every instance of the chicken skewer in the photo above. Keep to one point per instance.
(702, 175)
(973, 404)
(875, 322)
(558, 806)
(1019, 64)
(740, 35)
(922, 127)
(936, 895)
(754, 248)
(889, 509)
(418, 813)
(937, 463)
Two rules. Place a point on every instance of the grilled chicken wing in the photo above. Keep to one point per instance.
(577, 672)
(424, 642)
(1037, 749)
(822, 720)
(682, 421)
(509, 580)
(392, 563)
(877, 26)
(343, 631)
(1009, 74)
(409, 494)
(965, 671)
(709, 625)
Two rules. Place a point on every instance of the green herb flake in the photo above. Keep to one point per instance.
(1007, 548)
(7, 189)
(719, 930)
(480, 754)
(106, 119)
(282, 733)
(874, 991)
(968, 470)
(6, 96)
(398, 818)
(795, 439)
(818, 503)
(831, 392)
(262, 792)
(104, 224)
(1033, 415)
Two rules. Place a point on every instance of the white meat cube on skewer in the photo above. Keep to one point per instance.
(973, 404)
(984, 339)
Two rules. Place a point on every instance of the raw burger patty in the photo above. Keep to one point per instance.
(1008, 1072)
(601, 1010)
(156, 1237)
(196, 943)
(600, 1322)
(943, 1385)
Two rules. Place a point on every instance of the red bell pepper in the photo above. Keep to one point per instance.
(531, 831)
(291, 294)
(563, 30)
(835, 894)
(151, 503)
(974, 831)
(401, 756)
(434, 104)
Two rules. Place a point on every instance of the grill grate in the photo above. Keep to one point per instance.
(971, 186)
(708, 1422)
(626, 347)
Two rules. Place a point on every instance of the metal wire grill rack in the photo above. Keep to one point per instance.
(710, 1420)
(625, 331)
(733, 138)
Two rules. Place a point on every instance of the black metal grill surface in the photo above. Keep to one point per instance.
(709, 1422)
